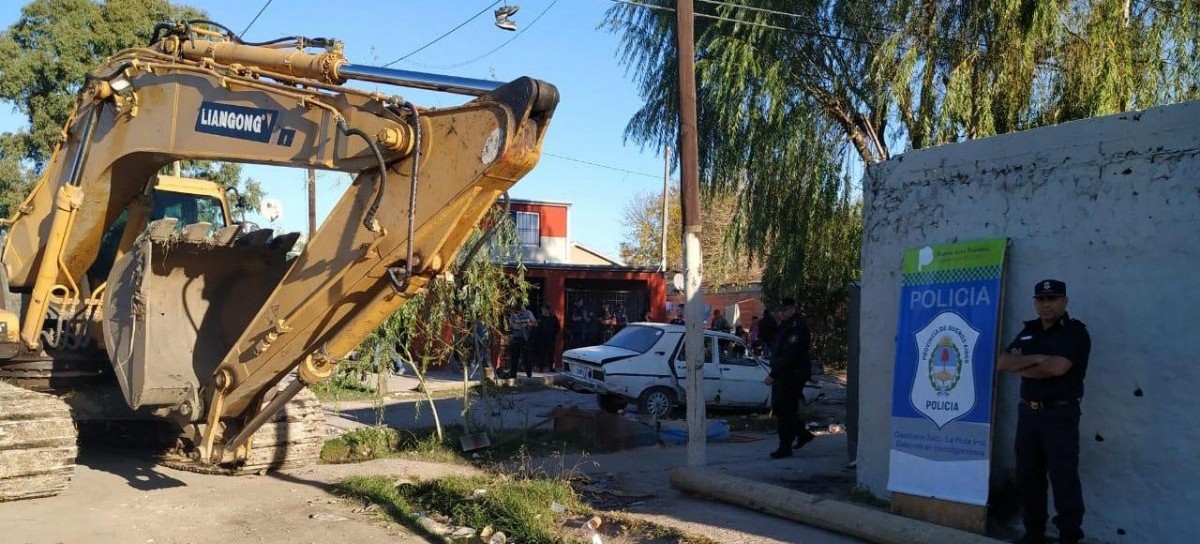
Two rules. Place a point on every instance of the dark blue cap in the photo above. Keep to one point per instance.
(1050, 288)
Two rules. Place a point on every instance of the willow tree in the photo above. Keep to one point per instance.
(797, 97)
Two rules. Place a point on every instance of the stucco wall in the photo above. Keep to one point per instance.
(1112, 207)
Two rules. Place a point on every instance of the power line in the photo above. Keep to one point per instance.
(501, 46)
(755, 24)
(811, 18)
(447, 33)
(598, 165)
(255, 19)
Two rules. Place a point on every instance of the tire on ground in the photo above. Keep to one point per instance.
(657, 401)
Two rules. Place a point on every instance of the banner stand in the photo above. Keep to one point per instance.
(944, 389)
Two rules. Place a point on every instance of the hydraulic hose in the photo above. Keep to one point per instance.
(369, 219)
(412, 189)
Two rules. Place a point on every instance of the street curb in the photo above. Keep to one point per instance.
(844, 518)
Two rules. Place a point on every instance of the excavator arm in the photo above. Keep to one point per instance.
(201, 324)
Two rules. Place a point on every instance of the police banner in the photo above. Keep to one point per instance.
(945, 361)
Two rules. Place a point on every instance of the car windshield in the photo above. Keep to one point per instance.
(635, 338)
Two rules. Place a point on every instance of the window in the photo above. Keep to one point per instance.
(188, 209)
(635, 338)
(733, 352)
(529, 228)
(707, 350)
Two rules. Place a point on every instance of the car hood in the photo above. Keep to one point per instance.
(599, 354)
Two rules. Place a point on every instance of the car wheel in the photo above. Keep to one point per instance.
(611, 403)
(656, 401)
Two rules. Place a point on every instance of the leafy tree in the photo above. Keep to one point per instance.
(436, 326)
(44, 56)
(642, 220)
(797, 97)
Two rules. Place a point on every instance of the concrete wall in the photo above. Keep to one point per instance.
(1112, 207)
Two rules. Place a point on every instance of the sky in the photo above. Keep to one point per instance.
(585, 160)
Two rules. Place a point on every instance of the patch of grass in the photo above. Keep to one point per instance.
(382, 490)
(423, 445)
(860, 495)
(519, 508)
(379, 442)
(631, 525)
(361, 445)
(343, 389)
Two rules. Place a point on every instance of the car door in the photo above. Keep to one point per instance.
(712, 373)
(742, 378)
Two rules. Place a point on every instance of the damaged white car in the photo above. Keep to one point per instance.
(645, 363)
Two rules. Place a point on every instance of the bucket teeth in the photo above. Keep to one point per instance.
(197, 232)
(255, 238)
(285, 241)
(226, 235)
(162, 229)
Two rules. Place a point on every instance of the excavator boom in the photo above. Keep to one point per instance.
(201, 323)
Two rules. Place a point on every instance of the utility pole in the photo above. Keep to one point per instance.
(312, 203)
(689, 168)
(666, 190)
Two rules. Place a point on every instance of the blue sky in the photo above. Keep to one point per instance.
(565, 47)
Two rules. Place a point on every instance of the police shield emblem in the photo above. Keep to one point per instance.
(943, 388)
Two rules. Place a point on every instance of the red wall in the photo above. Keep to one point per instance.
(553, 217)
(554, 292)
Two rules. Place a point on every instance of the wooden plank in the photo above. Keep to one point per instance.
(966, 517)
(848, 519)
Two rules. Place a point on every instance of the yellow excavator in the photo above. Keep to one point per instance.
(126, 294)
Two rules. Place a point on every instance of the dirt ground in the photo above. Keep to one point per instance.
(118, 498)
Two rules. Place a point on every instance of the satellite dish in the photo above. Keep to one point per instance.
(677, 282)
(271, 209)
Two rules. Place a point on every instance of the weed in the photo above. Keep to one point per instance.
(863, 496)
(382, 490)
(519, 508)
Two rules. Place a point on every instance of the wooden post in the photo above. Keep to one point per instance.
(689, 167)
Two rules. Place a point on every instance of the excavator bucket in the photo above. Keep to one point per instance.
(177, 302)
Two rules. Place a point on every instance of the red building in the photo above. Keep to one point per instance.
(562, 271)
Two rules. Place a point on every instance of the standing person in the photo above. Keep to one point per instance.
(719, 323)
(621, 318)
(768, 328)
(1051, 356)
(520, 325)
(576, 326)
(752, 334)
(608, 322)
(546, 335)
(790, 369)
(678, 319)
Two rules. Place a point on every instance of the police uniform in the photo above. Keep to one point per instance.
(790, 369)
(1047, 441)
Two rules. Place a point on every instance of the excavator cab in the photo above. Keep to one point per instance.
(187, 200)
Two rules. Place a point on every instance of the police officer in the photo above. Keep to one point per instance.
(1051, 356)
(790, 369)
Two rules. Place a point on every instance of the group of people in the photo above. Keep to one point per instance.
(532, 339)
(587, 327)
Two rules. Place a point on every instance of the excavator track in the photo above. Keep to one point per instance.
(291, 439)
(38, 444)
